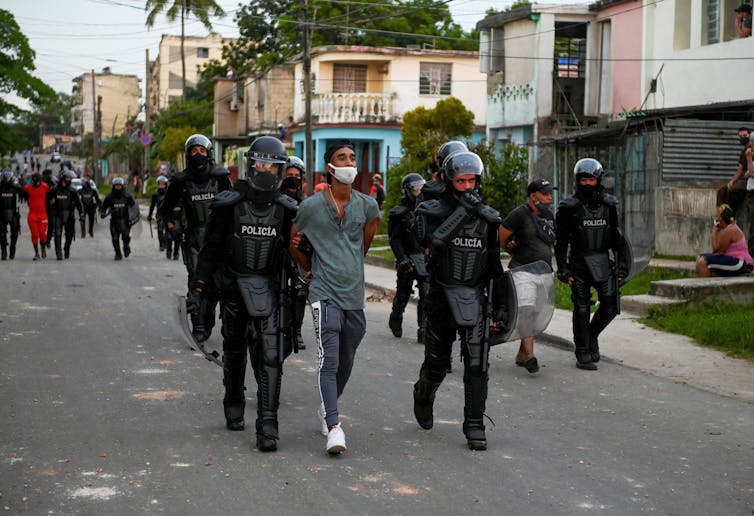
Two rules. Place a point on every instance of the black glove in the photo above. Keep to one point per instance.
(405, 264)
(194, 297)
(470, 200)
(564, 275)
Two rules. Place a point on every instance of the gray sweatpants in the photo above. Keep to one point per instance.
(338, 333)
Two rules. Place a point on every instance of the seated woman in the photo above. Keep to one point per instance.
(730, 255)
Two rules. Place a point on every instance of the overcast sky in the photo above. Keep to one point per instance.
(72, 37)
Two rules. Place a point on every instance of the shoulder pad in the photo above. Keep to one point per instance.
(397, 212)
(287, 202)
(489, 214)
(434, 187)
(219, 171)
(177, 178)
(609, 199)
(225, 198)
(569, 203)
(433, 208)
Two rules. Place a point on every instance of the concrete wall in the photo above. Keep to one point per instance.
(683, 221)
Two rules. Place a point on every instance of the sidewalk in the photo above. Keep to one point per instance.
(628, 342)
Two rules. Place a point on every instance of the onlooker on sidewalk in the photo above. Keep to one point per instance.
(587, 230)
(729, 256)
(750, 191)
(377, 192)
(339, 223)
(734, 192)
(528, 233)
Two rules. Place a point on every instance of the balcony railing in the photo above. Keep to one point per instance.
(335, 108)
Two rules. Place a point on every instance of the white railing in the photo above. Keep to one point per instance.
(334, 108)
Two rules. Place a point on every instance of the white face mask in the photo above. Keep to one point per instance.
(345, 175)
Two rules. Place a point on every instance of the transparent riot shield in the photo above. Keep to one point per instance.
(530, 298)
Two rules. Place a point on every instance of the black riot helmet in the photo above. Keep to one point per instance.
(460, 163)
(448, 148)
(197, 140)
(296, 162)
(7, 176)
(68, 175)
(591, 168)
(588, 167)
(265, 162)
(411, 181)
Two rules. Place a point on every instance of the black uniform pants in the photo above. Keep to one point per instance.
(404, 287)
(438, 345)
(259, 337)
(161, 238)
(120, 230)
(59, 227)
(172, 241)
(586, 331)
(15, 227)
(90, 213)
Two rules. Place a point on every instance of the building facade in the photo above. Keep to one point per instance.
(117, 98)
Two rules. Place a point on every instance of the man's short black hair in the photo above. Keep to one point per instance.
(335, 146)
(742, 128)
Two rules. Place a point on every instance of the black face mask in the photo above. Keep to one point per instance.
(117, 192)
(199, 162)
(291, 184)
(743, 140)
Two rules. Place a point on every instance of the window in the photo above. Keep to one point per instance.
(349, 78)
(491, 50)
(434, 78)
(202, 52)
(718, 21)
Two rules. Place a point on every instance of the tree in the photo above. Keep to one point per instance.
(202, 9)
(171, 145)
(16, 65)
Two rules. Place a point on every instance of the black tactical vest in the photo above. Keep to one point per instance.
(462, 260)
(8, 203)
(592, 228)
(87, 197)
(119, 207)
(63, 204)
(196, 201)
(256, 244)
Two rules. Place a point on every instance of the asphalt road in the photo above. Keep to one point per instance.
(106, 410)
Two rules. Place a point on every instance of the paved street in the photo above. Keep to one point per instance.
(105, 410)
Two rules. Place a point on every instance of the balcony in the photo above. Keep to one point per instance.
(353, 108)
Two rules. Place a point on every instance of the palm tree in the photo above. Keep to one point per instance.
(202, 9)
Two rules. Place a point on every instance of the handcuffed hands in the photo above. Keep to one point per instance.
(405, 264)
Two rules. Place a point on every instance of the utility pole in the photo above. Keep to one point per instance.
(308, 97)
(146, 114)
(95, 142)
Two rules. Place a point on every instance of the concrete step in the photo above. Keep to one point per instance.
(739, 289)
(641, 304)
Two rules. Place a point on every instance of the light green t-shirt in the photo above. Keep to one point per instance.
(338, 261)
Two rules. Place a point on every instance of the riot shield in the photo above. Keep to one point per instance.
(530, 298)
(134, 220)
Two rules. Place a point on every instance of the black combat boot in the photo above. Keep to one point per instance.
(269, 381)
(44, 251)
(424, 400)
(234, 402)
(5, 253)
(395, 323)
(594, 349)
(584, 360)
(475, 396)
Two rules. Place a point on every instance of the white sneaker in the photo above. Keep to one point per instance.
(336, 440)
(321, 414)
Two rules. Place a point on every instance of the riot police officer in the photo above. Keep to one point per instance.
(9, 215)
(590, 253)
(434, 188)
(194, 189)
(157, 197)
(91, 202)
(51, 181)
(461, 234)
(409, 255)
(245, 252)
(292, 186)
(117, 204)
(62, 201)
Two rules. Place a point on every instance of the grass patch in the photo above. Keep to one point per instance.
(723, 326)
(638, 285)
(674, 257)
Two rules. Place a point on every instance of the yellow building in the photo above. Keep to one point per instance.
(116, 96)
